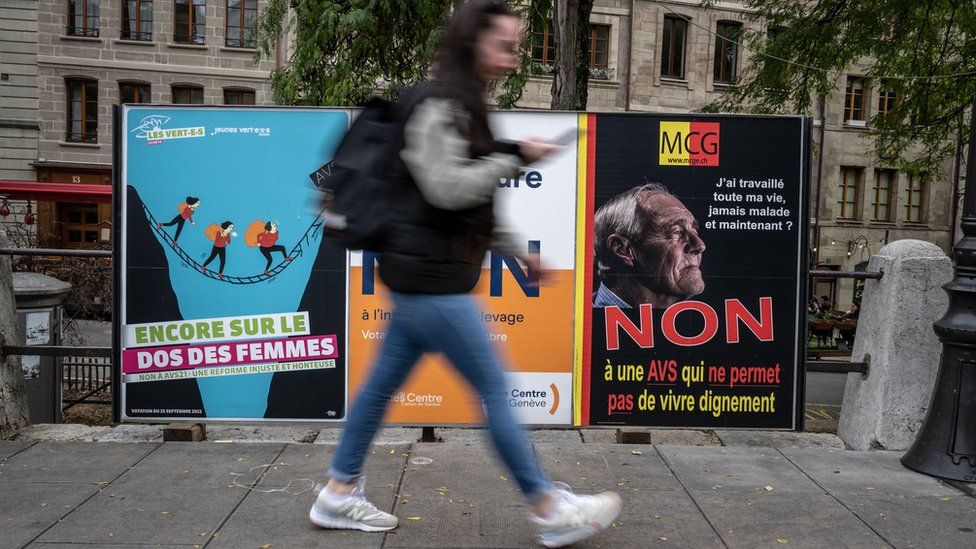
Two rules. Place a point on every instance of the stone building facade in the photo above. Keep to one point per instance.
(92, 55)
(19, 117)
(862, 203)
(653, 56)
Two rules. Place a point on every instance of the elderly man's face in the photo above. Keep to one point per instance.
(671, 252)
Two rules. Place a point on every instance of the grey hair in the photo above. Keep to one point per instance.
(620, 215)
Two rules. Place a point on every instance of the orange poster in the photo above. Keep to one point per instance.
(532, 329)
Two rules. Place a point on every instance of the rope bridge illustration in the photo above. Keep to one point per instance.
(311, 234)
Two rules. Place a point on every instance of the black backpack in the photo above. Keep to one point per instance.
(359, 186)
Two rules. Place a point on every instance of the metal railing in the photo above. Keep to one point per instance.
(85, 368)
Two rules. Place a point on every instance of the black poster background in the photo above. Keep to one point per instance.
(736, 264)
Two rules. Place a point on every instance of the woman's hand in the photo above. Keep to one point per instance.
(534, 149)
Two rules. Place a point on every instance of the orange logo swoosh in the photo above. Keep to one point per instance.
(555, 400)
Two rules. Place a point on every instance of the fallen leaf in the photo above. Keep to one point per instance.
(503, 477)
(266, 546)
(708, 470)
(413, 518)
(240, 459)
(658, 517)
(44, 505)
(636, 452)
(663, 538)
(781, 540)
(392, 452)
(167, 512)
(945, 498)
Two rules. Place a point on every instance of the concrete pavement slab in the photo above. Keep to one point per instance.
(72, 462)
(133, 433)
(27, 509)
(736, 469)
(561, 436)
(921, 521)
(458, 495)
(41, 545)
(281, 517)
(387, 435)
(61, 432)
(264, 434)
(11, 447)
(780, 439)
(605, 466)
(654, 518)
(784, 520)
(684, 437)
(867, 474)
(179, 494)
(599, 435)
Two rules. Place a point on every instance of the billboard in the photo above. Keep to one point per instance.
(675, 245)
(691, 268)
(230, 305)
(531, 328)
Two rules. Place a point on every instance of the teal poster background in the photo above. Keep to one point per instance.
(244, 165)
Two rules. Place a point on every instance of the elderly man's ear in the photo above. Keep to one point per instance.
(622, 248)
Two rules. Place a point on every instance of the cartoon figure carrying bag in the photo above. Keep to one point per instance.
(186, 210)
(265, 235)
(221, 236)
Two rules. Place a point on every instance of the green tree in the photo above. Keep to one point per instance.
(924, 51)
(345, 51)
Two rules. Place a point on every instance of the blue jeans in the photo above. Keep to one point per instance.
(447, 324)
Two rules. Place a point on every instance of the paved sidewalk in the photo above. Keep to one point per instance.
(454, 494)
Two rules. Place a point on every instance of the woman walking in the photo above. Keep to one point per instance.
(443, 228)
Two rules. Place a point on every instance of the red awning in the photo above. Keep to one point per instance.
(56, 192)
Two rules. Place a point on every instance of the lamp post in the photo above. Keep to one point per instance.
(946, 444)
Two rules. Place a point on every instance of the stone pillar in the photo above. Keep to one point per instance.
(885, 409)
(13, 392)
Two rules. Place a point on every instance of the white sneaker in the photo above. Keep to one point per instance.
(576, 517)
(350, 512)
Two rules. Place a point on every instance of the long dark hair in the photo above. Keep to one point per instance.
(455, 74)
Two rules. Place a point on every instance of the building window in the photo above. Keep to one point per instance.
(238, 97)
(726, 51)
(543, 46)
(241, 15)
(915, 199)
(190, 21)
(886, 100)
(187, 95)
(599, 46)
(82, 111)
(134, 92)
(854, 100)
(80, 226)
(850, 187)
(82, 18)
(137, 19)
(673, 48)
(884, 184)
